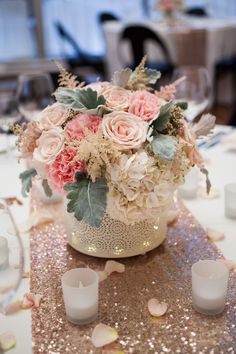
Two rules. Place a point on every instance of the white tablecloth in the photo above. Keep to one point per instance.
(210, 213)
(220, 41)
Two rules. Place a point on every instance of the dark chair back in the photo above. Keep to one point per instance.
(107, 16)
(138, 35)
(196, 11)
(65, 35)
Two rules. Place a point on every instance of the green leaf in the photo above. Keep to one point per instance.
(152, 75)
(160, 123)
(121, 77)
(26, 180)
(164, 146)
(87, 199)
(208, 182)
(182, 105)
(82, 100)
(46, 188)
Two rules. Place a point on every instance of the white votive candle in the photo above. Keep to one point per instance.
(230, 200)
(4, 253)
(209, 286)
(189, 189)
(80, 293)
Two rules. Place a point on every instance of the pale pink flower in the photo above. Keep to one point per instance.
(126, 130)
(99, 86)
(144, 105)
(190, 148)
(51, 116)
(117, 98)
(50, 143)
(75, 127)
(63, 169)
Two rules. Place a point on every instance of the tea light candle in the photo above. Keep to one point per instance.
(189, 189)
(209, 286)
(230, 200)
(4, 253)
(80, 293)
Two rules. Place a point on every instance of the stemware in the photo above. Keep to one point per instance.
(11, 255)
(34, 92)
(9, 115)
(195, 89)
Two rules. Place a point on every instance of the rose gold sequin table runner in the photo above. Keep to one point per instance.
(164, 273)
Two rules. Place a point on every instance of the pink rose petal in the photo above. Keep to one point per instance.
(229, 264)
(7, 340)
(37, 299)
(103, 335)
(30, 300)
(102, 275)
(214, 235)
(27, 302)
(113, 266)
(157, 308)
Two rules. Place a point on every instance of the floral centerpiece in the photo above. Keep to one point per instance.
(117, 150)
(169, 8)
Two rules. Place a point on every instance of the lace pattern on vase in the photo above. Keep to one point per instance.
(114, 238)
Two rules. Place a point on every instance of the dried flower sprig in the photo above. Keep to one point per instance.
(167, 92)
(97, 151)
(67, 79)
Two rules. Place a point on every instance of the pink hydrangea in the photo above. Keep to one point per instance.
(144, 105)
(63, 169)
(75, 127)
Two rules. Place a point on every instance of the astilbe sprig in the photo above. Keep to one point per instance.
(168, 92)
(97, 151)
(67, 79)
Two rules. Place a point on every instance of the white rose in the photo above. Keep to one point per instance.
(50, 143)
(126, 130)
(51, 116)
(117, 98)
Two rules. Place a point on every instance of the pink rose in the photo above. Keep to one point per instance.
(144, 105)
(50, 143)
(54, 115)
(75, 127)
(63, 169)
(190, 148)
(117, 98)
(126, 130)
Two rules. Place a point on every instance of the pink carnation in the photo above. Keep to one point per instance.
(144, 105)
(62, 170)
(75, 127)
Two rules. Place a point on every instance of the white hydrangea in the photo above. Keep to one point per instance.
(138, 189)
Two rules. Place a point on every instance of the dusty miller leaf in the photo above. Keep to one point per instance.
(87, 199)
(183, 105)
(208, 182)
(204, 126)
(46, 188)
(164, 146)
(26, 180)
(160, 123)
(82, 100)
(121, 77)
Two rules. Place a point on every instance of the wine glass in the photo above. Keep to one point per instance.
(34, 92)
(194, 89)
(11, 255)
(9, 115)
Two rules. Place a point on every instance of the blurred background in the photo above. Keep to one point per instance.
(94, 38)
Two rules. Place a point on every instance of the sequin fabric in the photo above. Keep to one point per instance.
(164, 273)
